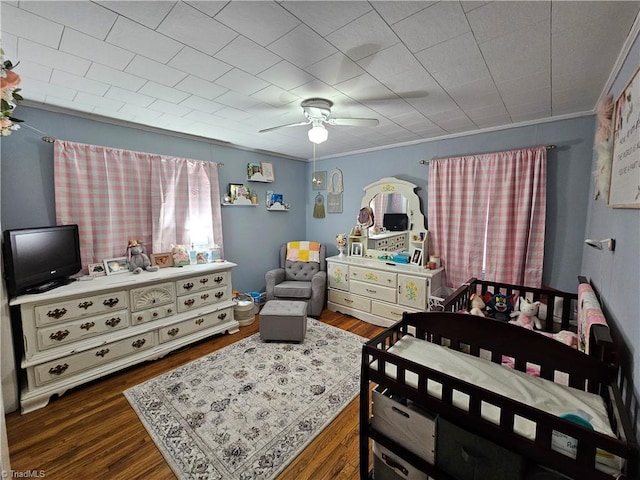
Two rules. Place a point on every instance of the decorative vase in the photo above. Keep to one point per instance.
(341, 250)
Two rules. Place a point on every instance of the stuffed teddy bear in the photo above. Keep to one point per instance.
(500, 307)
(527, 314)
(137, 260)
(180, 255)
(477, 305)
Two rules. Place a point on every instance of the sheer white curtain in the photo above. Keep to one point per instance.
(117, 195)
(487, 216)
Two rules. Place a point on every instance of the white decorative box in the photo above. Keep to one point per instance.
(414, 429)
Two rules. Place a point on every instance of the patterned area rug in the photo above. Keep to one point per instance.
(247, 410)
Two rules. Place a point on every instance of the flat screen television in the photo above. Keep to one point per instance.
(39, 259)
(395, 222)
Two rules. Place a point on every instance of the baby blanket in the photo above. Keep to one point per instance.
(303, 251)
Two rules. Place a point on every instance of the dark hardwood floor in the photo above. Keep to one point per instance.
(91, 431)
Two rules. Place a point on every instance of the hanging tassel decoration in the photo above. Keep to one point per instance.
(318, 207)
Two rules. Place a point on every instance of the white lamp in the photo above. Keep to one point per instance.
(318, 133)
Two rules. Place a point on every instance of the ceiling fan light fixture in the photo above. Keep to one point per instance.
(318, 133)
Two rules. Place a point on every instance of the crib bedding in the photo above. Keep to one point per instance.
(536, 392)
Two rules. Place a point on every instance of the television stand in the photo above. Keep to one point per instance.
(45, 287)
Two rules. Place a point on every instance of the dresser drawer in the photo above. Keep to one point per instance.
(203, 282)
(199, 299)
(152, 296)
(385, 294)
(152, 314)
(387, 310)
(79, 307)
(377, 277)
(82, 328)
(68, 366)
(348, 300)
(202, 322)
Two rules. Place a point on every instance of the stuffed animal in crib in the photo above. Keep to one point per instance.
(477, 305)
(137, 260)
(500, 307)
(527, 314)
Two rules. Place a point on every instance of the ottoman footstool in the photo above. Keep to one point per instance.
(283, 321)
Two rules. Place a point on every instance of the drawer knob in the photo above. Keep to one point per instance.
(200, 321)
(139, 343)
(85, 305)
(112, 322)
(222, 316)
(57, 313)
(189, 302)
(112, 302)
(87, 326)
(204, 281)
(140, 317)
(155, 314)
(59, 369)
(204, 296)
(173, 332)
(169, 310)
(102, 353)
(219, 295)
(187, 286)
(218, 279)
(59, 335)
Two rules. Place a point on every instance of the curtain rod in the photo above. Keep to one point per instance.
(426, 162)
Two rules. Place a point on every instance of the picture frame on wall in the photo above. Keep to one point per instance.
(624, 189)
(267, 171)
(115, 266)
(319, 180)
(416, 256)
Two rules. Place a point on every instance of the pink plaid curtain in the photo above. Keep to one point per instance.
(487, 216)
(117, 195)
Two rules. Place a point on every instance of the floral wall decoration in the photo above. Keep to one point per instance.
(603, 147)
(9, 97)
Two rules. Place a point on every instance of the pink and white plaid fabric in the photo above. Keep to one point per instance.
(116, 195)
(497, 200)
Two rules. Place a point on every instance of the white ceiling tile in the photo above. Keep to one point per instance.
(475, 94)
(115, 77)
(362, 37)
(531, 81)
(241, 82)
(488, 112)
(538, 96)
(502, 18)
(413, 84)
(32, 70)
(302, 47)
(191, 27)
(247, 55)
(210, 7)
(98, 101)
(63, 102)
(140, 114)
(52, 58)
(394, 11)
(199, 64)
(390, 62)
(263, 22)
(599, 16)
(107, 112)
(81, 84)
(436, 102)
(9, 45)
(86, 46)
(156, 90)
(275, 96)
(459, 56)
(525, 113)
(315, 88)
(29, 85)
(233, 114)
(27, 25)
(286, 75)
(238, 100)
(168, 107)
(326, 16)
(86, 17)
(363, 88)
(202, 88)
(335, 68)
(135, 38)
(201, 104)
(433, 25)
(148, 13)
(146, 68)
(129, 97)
(471, 5)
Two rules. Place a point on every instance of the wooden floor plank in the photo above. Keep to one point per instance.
(92, 431)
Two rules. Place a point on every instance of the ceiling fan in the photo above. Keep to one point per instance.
(318, 112)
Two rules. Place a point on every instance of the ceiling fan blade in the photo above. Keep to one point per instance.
(284, 126)
(354, 122)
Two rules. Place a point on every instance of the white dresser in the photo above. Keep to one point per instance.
(379, 292)
(87, 329)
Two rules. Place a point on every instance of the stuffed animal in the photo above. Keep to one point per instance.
(477, 305)
(137, 260)
(527, 314)
(180, 255)
(500, 307)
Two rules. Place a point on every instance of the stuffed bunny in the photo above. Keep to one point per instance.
(527, 314)
(137, 260)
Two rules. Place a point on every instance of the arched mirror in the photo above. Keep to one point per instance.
(399, 224)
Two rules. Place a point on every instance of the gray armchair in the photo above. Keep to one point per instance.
(303, 281)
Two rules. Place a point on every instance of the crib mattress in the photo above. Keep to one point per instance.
(536, 392)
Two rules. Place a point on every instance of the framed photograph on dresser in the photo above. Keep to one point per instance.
(416, 256)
